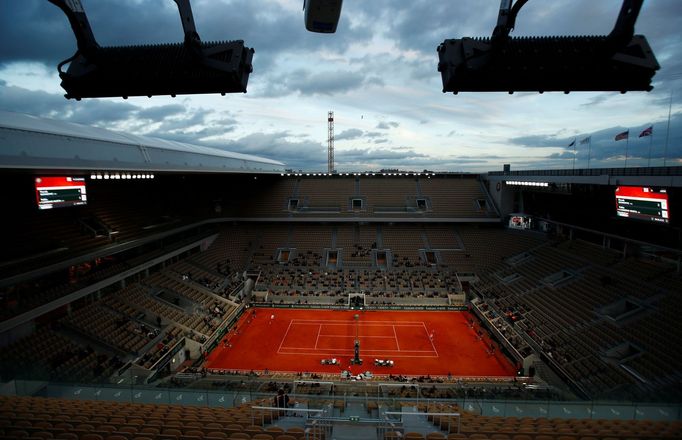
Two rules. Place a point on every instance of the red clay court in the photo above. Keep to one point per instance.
(296, 340)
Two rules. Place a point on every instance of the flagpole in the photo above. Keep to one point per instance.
(589, 151)
(574, 142)
(667, 133)
(627, 142)
(651, 141)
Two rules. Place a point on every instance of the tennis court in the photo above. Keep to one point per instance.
(418, 343)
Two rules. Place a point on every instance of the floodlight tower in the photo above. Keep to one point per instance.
(330, 142)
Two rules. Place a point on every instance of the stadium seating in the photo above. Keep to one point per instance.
(45, 354)
(36, 417)
(566, 321)
(562, 292)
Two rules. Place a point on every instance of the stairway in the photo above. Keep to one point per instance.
(354, 432)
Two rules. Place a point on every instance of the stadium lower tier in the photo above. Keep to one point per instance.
(46, 418)
(595, 316)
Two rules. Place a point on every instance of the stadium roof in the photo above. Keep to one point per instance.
(30, 142)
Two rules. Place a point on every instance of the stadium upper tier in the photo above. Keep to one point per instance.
(29, 142)
(447, 197)
(121, 213)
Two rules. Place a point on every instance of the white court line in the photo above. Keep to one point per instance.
(370, 354)
(337, 349)
(352, 336)
(319, 329)
(427, 335)
(285, 336)
(346, 323)
(338, 322)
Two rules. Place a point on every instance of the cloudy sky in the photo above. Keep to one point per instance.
(377, 73)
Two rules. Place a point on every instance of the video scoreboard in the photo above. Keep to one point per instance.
(642, 203)
(58, 192)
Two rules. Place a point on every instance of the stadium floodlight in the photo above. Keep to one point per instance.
(620, 61)
(191, 67)
(322, 16)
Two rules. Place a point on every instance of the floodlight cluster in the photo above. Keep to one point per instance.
(526, 183)
(120, 176)
(356, 174)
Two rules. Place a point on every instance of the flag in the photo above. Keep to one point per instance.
(572, 143)
(586, 140)
(623, 135)
(647, 131)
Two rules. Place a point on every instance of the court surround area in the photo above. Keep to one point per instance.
(299, 340)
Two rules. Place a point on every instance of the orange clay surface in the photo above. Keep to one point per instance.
(296, 340)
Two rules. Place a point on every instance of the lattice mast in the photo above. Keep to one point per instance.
(330, 142)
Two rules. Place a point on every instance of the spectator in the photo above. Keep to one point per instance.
(281, 399)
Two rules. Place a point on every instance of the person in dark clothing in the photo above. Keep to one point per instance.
(281, 399)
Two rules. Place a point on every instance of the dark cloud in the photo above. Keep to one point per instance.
(480, 157)
(422, 25)
(597, 99)
(604, 149)
(378, 154)
(351, 133)
(540, 141)
(92, 112)
(39, 31)
(88, 112)
(386, 125)
(307, 82)
(172, 121)
(37, 103)
(34, 30)
(356, 133)
(194, 135)
(562, 155)
(161, 111)
(304, 155)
